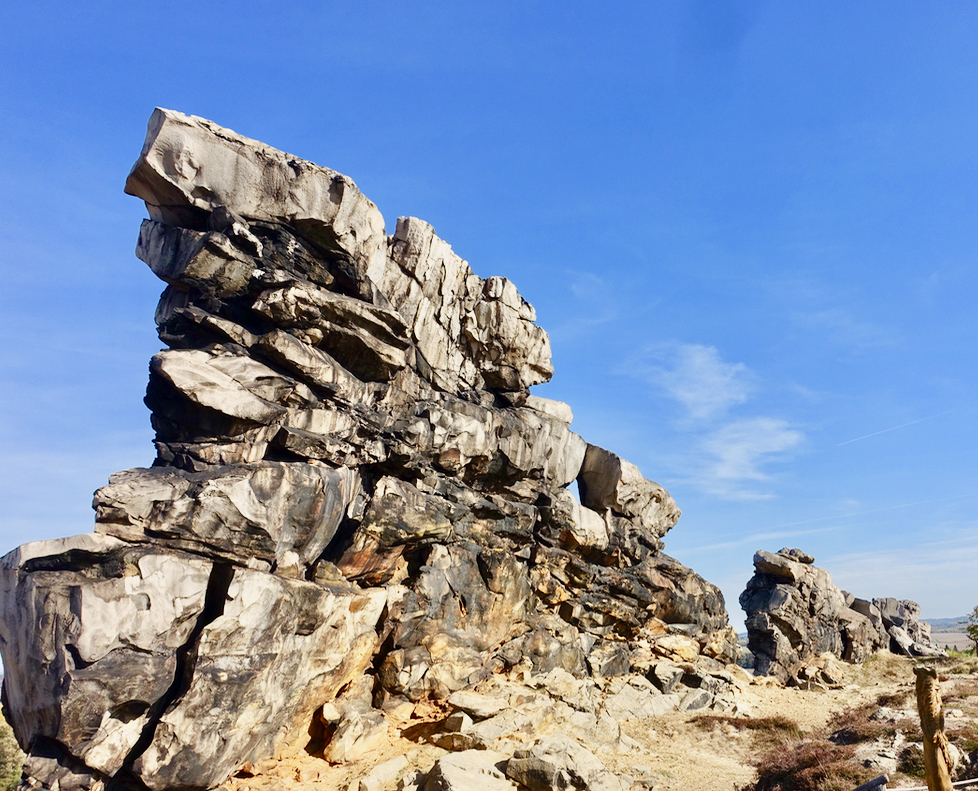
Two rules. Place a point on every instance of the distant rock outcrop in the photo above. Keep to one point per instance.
(795, 615)
(356, 503)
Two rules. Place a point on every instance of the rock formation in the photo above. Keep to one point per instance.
(796, 615)
(356, 504)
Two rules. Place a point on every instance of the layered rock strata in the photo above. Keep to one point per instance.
(796, 615)
(355, 497)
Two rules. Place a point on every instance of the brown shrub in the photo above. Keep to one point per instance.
(911, 761)
(810, 766)
(897, 700)
(852, 726)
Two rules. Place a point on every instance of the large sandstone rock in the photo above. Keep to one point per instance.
(279, 650)
(355, 505)
(92, 632)
(796, 615)
(191, 167)
(247, 512)
(163, 665)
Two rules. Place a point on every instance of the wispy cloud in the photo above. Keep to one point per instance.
(726, 457)
(843, 328)
(740, 451)
(696, 377)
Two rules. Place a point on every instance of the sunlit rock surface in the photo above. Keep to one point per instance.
(796, 616)
(356, 505)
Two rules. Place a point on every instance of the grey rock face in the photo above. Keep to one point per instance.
(559, 762)
(610, 482)
(92, 631)
(247, 512)
(355, 502)
(473, 333)
(796, 614)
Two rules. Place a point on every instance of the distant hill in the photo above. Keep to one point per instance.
(947, 624)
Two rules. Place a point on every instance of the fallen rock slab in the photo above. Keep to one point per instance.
(469, 770)
(559, 762)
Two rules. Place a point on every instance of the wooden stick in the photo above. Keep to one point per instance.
(937, 757)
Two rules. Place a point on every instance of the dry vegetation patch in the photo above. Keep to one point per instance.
(766, 732)
(833, 757)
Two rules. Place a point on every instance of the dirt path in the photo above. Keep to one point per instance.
(680, 755)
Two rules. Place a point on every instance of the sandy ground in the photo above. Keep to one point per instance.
(676, 754)
(684, 757)
(673, 752)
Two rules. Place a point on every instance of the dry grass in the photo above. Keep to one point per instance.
(884, 668)
(766, 732)
(815, 765)
(825, 760)
(11, 758)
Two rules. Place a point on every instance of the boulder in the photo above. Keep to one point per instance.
(558, 762)
(468, 770)
(92, 631)
(190, 168)
(247, 512)
(609, 482)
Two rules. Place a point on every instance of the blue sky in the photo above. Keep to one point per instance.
(748, 227)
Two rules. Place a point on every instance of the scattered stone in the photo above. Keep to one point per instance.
(480, 706)
(384, 775)
(357, 734)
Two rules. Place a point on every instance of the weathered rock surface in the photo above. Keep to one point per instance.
(558, 762)
(796, 617)
(355, 505)
(469, 770)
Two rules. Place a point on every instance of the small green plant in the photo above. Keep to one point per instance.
(971, 627)
(11, 758)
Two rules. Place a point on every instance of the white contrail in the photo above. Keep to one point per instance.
(894, 428)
